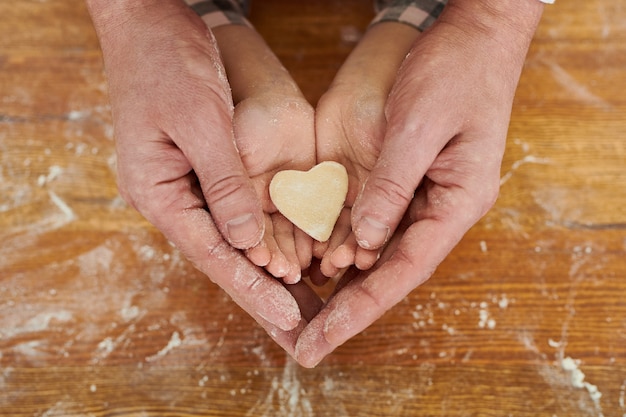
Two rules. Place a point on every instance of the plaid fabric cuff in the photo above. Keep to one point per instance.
(221, 12)
(417, 13)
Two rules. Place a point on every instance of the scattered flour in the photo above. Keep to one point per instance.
(39, 322)
(53, 218)
(32, 349)
(109, 344)
(576, 88)
(174, 342)
(53, 172)
(96, 262)
(423, 315)
(202, 382)
(451, 331)
(129, 313)
(571, 366)
(56, 410)
(528, 159)
(503, 302)
(75, 115)
(62, 205)
(484, 319)
(146, 253)
(286, 397)
(554, 344)
(622, 397)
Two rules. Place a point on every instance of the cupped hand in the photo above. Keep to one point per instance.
(177, 160)
(350, 129)
(274, 131)
(437, 171)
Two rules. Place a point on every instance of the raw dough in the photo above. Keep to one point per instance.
(313, 199)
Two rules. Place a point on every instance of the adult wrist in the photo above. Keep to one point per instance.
(107, 14)
(502, 20)
(104, 12)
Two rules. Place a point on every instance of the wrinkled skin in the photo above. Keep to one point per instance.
(422, 139)
(177, 160)
(426, 161)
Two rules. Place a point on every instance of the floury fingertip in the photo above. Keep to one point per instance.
(244, 231)
(371, 234)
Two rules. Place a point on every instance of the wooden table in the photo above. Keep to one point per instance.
(100, 316)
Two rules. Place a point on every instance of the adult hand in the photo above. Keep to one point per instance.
(446, 121)
(177, 161)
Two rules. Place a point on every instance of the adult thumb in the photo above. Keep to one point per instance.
(389, 188)
(232, 201)
(227, 189)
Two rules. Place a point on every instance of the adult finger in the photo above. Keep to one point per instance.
(208, 143)
(180, 215)
(408, 150)
(371, 293)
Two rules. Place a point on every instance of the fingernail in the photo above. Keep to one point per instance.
(370, 233)
(338, 325)
(296, 277)
(291, 280)
(243, 231)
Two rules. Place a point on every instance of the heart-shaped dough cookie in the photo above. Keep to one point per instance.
(313, 199)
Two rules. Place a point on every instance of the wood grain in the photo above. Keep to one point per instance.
(100, 316)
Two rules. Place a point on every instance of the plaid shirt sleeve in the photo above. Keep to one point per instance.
(221, 12)
(417, 13)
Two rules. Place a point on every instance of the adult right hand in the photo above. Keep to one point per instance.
(177, 160)
(438, 167)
